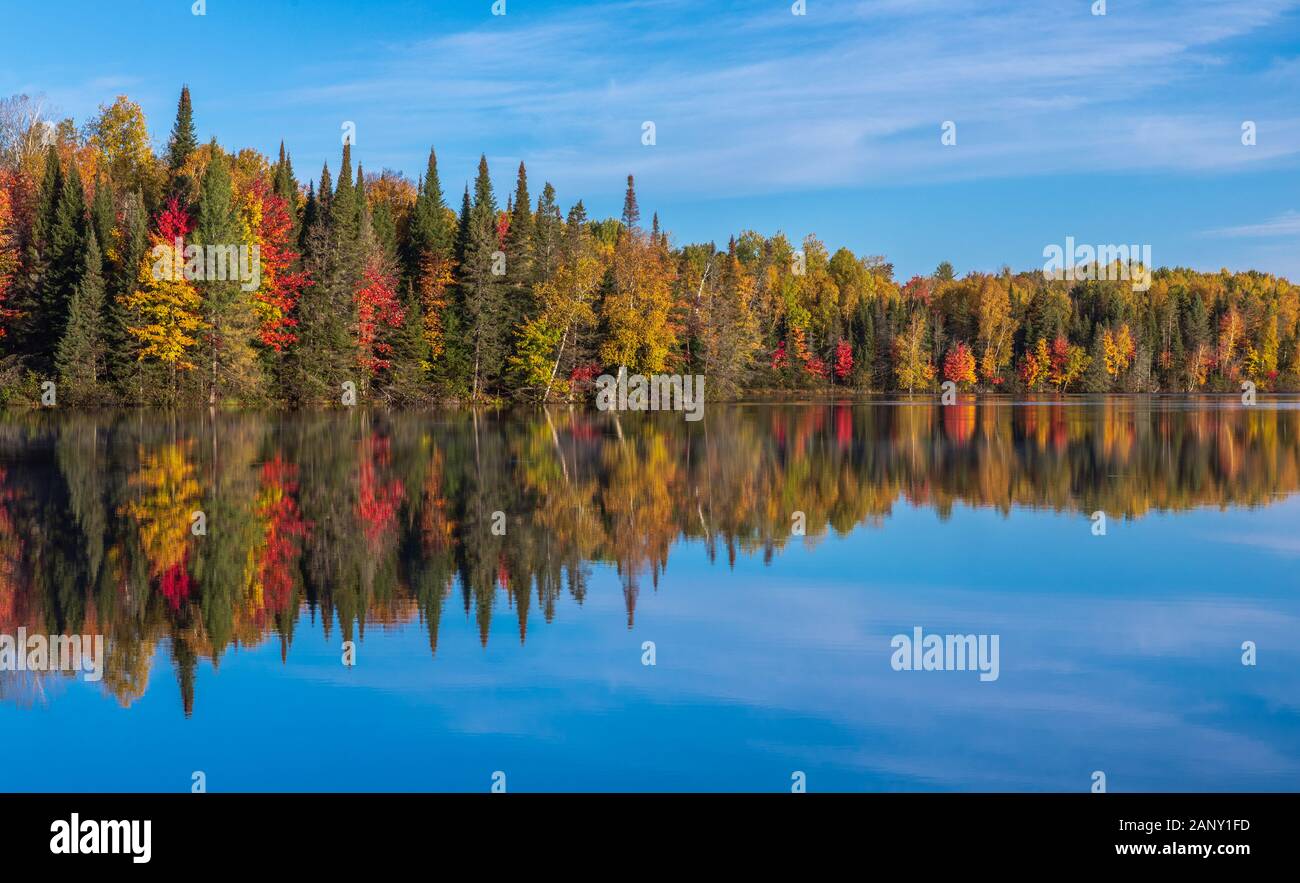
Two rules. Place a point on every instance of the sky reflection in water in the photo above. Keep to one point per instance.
(523, 653)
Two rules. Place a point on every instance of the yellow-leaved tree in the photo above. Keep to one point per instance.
(164, 312)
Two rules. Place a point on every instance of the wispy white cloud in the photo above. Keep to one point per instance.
(752, 101)
(1285, 224)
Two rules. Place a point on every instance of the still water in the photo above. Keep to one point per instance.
(506, 577)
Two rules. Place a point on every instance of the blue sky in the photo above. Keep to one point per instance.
(1123, 128)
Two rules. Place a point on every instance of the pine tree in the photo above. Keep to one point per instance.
(384, 227)
(324, 193)
(519, 256)
(363, 206)
(430, 256)
(430, 232)
(631, 213)
(314, 367)
(310, 211)
(102, 220)
(285, 186)
(183, 140)
(123, 363)
(66, 263)
(335, 255)
(548, 232)
(462, 228)
(411, 354)
(484, 307)
(80, 358)
(228, 355)
(343, 206)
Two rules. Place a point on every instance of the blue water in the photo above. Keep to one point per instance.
(1120, 653)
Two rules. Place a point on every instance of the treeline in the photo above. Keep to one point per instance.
(377, 281)
(341, 522)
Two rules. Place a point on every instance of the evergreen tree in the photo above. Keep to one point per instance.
(310, 211)
(520, 277)
(66, 262)
(484, 306)
(285, 186)
(336, 248)
(324, 193)
(183, 140)
(343, 206)
(124, 368)
(548, 231)
(631, 213)
(384, 227)
(430, 233)
(314, 369)
(228, 357)
(102, 220)
(411, 354)
(364, 215)
(462, 229)
(80, 357)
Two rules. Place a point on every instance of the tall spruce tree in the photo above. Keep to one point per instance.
(183, 141)
(519, 256)
(430, 232)
(324, 192)
(631, 213)
(124, 368)
(310, 209)
(229, 360)
(411, 354)
(334, 255)
(102, 216)
(285, 186)
(66, 262)
(548, 231)
(482, 286)
(462, 228)
(80, 357)
(319, 363)
(344, 203)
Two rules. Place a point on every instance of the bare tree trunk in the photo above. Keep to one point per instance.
(558, 356)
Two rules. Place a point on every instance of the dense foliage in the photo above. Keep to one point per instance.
(373, 280)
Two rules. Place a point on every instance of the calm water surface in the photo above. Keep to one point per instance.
(523, 653)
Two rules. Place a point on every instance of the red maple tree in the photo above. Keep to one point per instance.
(281, 288)
(843, 360)
(378, 310)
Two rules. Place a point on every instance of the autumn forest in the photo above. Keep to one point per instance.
(414, 295)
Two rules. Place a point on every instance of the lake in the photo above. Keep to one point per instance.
(576, 600)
